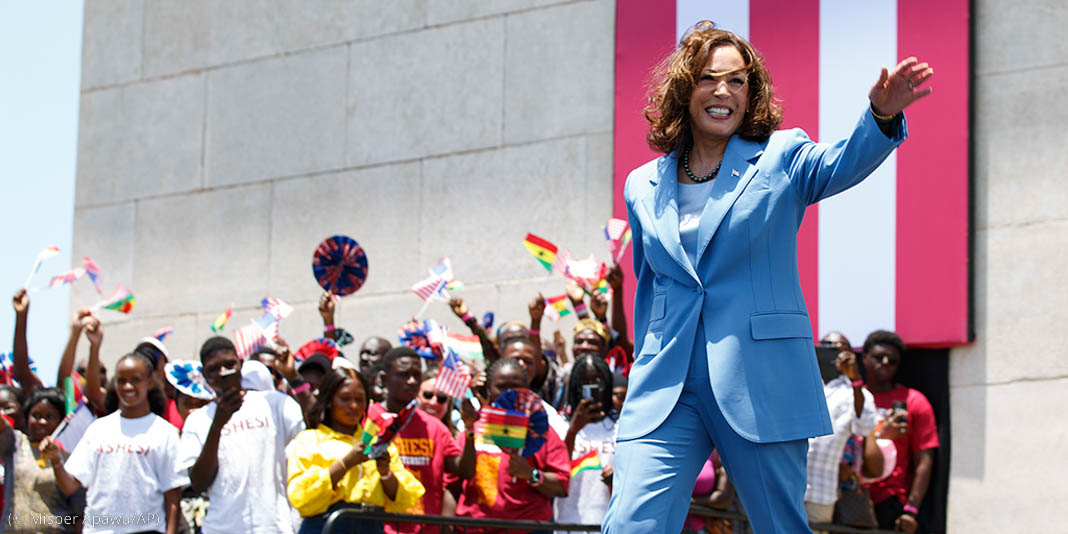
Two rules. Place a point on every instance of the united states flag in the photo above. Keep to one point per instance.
(67, 278)
(893, 252)
(453, 379)
(93, 271)
(433, 288)
(248, 339)
(268, 325)
(276, 307)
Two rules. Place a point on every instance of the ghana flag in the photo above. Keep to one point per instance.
(543, 251)
(503, 428)
(371, 429)
(587, 462)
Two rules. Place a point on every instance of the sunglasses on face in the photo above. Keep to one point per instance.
(429, 395)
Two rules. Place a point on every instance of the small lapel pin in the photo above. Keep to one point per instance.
(734, 172)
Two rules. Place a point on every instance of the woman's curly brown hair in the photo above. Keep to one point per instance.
(676, 76)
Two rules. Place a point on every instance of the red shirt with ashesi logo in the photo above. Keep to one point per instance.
(423, 445)
(922, 434)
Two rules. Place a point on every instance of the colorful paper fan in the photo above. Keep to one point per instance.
(526, 401)
(188, 377)
(417, 335)
(322, 345)
(340, 265)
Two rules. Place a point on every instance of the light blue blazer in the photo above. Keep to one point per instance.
(745, 287)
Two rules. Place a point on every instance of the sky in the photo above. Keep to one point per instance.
(40, 58)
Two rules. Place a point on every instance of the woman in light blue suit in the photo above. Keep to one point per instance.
(724, 351)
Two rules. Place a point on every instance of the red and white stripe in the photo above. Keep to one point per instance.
(430, 288)
(248, 339)
(892, 252)
(453, 378)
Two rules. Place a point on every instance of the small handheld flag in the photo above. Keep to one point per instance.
(67, 278)
(248, 339)
(543, 251)
(268, 324)
(588, 272)
(453, 379)
(556, 307)
(220, 322)
(121, 300)
(466, 346)
(276, 307)
(587, 462)
(378, 434)
(162, 333)
(429, 290)
(93, 271)
(617, 235)
(49, 252)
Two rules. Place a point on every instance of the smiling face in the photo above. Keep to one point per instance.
(430, 401)
(587, 342)
(719, 101)
(43, 420)
(132, 381)
(348, 406)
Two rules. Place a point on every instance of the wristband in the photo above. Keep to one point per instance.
(858, 382)
(466, 317)
(910, 509)
(536, 477)
(328, 328)
(385, 477)
(580, 307)
(535, 332)
(301, 388)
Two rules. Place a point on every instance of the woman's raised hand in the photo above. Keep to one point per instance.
(897, 89)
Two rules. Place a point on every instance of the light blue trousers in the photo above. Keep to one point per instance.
(655, 474)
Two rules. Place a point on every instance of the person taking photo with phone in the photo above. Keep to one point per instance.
(590, 441)
(911, 426)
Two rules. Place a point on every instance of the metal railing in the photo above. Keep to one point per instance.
(521, 525)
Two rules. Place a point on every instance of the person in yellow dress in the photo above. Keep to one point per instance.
(328, 468)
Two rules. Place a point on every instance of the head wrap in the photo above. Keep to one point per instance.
(595, 325)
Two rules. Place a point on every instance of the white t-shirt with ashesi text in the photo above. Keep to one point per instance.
(126, 465)
(249, 490)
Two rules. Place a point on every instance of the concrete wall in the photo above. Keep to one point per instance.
(1009, 389)
(221, 141)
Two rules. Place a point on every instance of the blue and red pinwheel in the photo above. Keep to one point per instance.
(340, 265)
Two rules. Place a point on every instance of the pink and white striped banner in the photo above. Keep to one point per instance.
(893, 252)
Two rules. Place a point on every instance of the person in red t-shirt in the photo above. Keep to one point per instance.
(505, 484)
(426, 446)
(898, 497)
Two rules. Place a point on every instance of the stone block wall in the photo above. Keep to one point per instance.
(221, 141)
(1008, 389)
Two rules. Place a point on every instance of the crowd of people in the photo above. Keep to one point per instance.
(276, 444)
